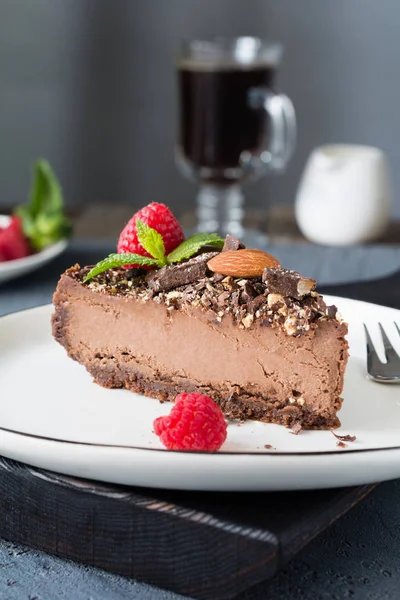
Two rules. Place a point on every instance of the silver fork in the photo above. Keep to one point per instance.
(383, 372)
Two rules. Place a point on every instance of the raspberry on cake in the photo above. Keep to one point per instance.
(260, 341)
(158, 217)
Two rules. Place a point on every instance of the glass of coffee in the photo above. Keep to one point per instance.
(233, 125)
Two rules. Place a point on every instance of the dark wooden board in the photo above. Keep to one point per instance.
(202, 545)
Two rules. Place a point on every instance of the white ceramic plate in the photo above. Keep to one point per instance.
(21, 266)
(53, 416)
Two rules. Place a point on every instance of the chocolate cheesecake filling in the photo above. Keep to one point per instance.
(257, 352)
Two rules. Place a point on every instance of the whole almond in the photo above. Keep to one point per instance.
(242, 263)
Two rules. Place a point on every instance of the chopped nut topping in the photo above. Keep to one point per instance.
(290, 325)
(297, 400)
(283, 310)
(248, 301)
(172, 295)
(305, 286)
(275, 299)
(247, 320)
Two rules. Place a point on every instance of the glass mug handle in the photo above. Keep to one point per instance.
(283, 126)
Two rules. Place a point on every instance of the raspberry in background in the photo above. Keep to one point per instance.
(194, 423)
(159, 217)
(13, 243)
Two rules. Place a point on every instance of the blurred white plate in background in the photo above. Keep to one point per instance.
(21, 266)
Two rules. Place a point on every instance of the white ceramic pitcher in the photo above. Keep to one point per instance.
(344, 196)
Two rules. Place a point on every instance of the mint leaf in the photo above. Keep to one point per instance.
(119, 260)
(151, 240)
(43, 219)
(46, 195)
(193, 244)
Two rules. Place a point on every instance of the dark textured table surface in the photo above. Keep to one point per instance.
(357, 557)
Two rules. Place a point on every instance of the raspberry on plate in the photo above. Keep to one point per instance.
(13, 243)
(159, 217)
(194, 423)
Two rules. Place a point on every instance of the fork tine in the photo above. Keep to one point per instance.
(372, 356)
(390, 352)
(397, 327)
(382, 372)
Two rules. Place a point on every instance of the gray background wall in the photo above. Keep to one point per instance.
(89, 84)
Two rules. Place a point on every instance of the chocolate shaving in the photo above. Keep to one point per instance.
(266, 323)
(255, 303)
(321, 306)
(247, 295)
(232, 243)
(344, 438)
(268, 446)
(200, 285)
(235, 300)
(205, 249)
(331, 311)
(249, 290)
(296, 428)
(137, 272)
(288, 284)
(223, 299)
(174, 276)
(341, 444)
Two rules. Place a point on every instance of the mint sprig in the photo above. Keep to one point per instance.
(153, 243)
(43, 219)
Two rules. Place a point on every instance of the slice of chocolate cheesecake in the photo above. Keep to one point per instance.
(264, 347)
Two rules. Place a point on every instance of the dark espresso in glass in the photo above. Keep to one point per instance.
(217, 122)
